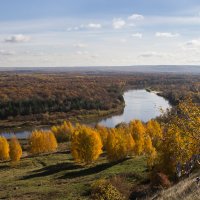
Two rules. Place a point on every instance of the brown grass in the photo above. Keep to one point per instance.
(186, 189)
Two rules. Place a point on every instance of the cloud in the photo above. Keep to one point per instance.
(80, 45)
(76, 28)
(136, 17)
(17, 38)
(118, 23)
(123, 40)
(153, 54)
(82, 53)
(166, 34)
(83, 27)
(137, 35)
(131, 25)
(6, 53)
(192, 44)
(92, 25)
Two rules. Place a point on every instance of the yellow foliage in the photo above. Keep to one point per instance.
(15, 150)
(42, 142)
(150, 151)
(4, 149)
(86, 145)
(181, 139)
(103, 132)
(63, 132)
(153, 129)
(137, 130)
(120, 144)
(104, 190)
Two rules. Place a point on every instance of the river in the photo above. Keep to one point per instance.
(139, 104)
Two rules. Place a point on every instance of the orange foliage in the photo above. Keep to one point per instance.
(86, 145)
(4, 148)
(120, 144)
(63, 132)
(42, 142)
(137, 130)
(103, 132)
(15, 150)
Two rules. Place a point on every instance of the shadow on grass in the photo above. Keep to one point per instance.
(89, 171)
(52, 169)
(4, 167)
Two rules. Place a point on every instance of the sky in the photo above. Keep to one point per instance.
(50, 33)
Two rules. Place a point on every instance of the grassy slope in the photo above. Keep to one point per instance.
(56, 176)
(186, 189)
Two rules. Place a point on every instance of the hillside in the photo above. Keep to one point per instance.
(186, 189)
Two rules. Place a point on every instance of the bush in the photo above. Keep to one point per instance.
(121, 184)
(160, 180)
(42, 142)
(103, 190)
(86, 145)
(15, 150)
(4, 149)
(63, 132)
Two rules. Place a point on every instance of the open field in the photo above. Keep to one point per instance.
(56, 176)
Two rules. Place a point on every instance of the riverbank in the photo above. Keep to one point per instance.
(44, 120)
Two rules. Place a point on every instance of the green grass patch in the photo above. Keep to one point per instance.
(56, 176)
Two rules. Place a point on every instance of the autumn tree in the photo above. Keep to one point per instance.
(4, 148)
(103, 132)
(86, 145)
(137, 130)
(154, 131)
(181, 138)
(42, 142)
(63, 132)
(149, 150)
(15, 150)
(120, 144)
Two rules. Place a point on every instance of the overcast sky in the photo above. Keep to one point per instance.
(99, 32)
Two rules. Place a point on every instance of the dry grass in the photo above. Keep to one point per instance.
(186, 189)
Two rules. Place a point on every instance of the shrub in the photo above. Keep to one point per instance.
(86, 145)
(4, 148)
(42, 142)
(103, 190)
(15, 150)
(121, 183)
(63, 132)
(160, 180)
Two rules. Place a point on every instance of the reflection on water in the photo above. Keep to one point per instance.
(139, 104)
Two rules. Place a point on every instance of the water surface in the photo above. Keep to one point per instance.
(139, 104)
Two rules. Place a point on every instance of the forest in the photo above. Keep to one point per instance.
(45, 97)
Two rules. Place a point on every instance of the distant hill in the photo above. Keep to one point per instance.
(180, 69)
